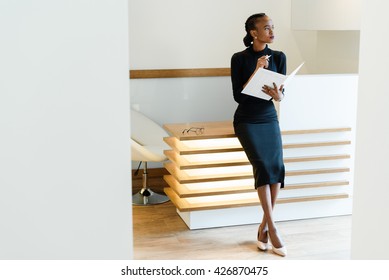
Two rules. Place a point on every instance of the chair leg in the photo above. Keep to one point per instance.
(146, 196)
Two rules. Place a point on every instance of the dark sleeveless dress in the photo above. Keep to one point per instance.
(255, 120)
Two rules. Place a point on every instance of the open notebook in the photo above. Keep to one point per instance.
(266, 77)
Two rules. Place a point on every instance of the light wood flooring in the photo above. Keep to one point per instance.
(160, 234)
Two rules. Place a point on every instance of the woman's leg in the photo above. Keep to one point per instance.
(262, 231)
(274, 189)
(268, 195)
(263, 228)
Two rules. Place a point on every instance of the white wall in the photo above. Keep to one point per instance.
(337, 51)
(331, 104)
(204, 34)
(65, 188)
(370, 228)
(173, 34)
(184, 99)
(326, 14)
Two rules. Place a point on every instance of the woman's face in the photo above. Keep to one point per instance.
(264, 30)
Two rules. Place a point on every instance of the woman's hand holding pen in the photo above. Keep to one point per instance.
(275, 92)
(263, 62)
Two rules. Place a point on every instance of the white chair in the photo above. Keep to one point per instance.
(147, 145)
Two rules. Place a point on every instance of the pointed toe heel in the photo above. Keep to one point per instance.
(279, 251)
(263, 246)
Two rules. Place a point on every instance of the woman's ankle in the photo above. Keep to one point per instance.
(262, 234)
(275, 238)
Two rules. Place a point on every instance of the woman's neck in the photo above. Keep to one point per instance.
(257, 46)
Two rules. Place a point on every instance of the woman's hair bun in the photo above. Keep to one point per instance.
(250, 25)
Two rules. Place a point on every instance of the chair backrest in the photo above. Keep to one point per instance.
(145, 131)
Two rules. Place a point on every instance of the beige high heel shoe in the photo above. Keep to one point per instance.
(279, 251)
(263, 246)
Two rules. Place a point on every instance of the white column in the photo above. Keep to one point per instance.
(65, 177)
(370, 227)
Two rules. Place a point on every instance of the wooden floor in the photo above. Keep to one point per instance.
(160, 234)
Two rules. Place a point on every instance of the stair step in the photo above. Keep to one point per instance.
(202, 147)
(316, 144)
(183, 177)
(236, 159)
(215, 160)
(316, 171)
(224, 129)
(190, 147)
(185, 204)
(211, 130)
(316, 158)
(317, 184)
(231, 187)
(198, 189)
(314, 131)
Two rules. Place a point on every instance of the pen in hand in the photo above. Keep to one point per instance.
(263, 61)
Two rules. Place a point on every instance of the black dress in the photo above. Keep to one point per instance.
(255, 120)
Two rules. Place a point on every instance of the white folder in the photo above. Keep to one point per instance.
(266, 77)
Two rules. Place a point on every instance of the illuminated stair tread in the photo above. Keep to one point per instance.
(183, 205)
(182, 149)
(184, 190)
(223, 129)
(182, 177)
(181, 162)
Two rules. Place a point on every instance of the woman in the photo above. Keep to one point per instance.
(256, 123)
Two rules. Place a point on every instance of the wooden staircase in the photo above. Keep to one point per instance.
(209, 171)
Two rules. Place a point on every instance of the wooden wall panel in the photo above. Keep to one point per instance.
(179, 73)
